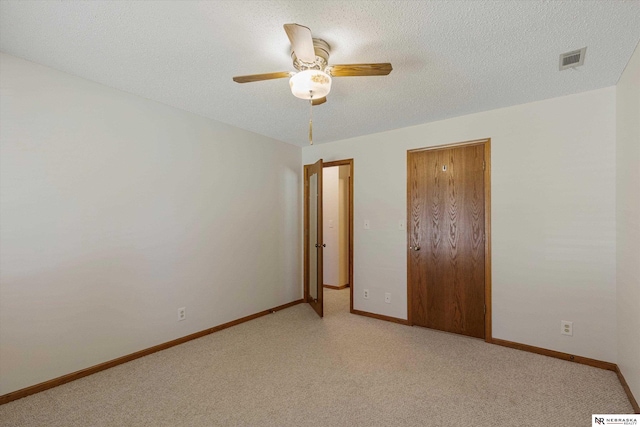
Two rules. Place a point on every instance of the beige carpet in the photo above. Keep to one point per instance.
(293, 369)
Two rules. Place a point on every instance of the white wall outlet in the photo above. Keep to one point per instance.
(366, 224)
(401, 225)
(387, 298)
(366, 294)
(566, 327)
(182, 313)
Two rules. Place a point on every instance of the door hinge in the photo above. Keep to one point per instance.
(484, 165)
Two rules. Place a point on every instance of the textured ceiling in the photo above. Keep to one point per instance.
(449, 57)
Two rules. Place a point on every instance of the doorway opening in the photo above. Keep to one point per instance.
(328, 219)
(336, 208)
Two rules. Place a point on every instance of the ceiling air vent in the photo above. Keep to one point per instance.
(572, 59)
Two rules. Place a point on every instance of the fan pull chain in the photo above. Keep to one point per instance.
(310, 118)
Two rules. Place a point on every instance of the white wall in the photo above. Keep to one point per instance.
(116, 210)
(553, 217)
(628, 222)
(331, 226)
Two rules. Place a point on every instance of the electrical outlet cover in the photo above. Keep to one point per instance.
(566, 328)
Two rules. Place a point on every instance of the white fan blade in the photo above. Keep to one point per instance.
(301, 42)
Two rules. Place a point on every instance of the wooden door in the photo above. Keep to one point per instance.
(446, 233)
(313, 248)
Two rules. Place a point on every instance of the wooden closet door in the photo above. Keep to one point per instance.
(446, 254)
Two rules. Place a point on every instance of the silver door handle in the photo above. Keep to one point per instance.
(415, 248)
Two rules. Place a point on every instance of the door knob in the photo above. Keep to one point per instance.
(324, 245)
(415, 248)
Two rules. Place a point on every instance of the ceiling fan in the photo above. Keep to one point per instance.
(310, 57)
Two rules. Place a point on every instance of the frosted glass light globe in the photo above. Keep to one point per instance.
(308, 83)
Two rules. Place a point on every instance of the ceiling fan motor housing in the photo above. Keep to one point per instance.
(322, 51)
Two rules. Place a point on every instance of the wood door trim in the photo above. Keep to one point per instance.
(46, 385)
(487, 226)
(487, 241)
(318, 304)
(346, 162)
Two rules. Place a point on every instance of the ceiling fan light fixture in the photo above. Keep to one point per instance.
(310, 84)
